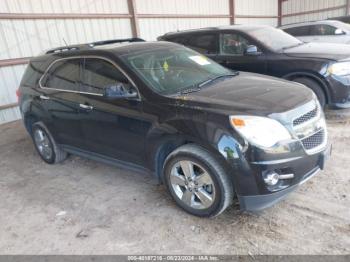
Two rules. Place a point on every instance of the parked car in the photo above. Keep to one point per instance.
(325, 31)
(208, 133)
(344, 19)
(324, 68)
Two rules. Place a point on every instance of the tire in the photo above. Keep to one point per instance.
(314, 86)
(208, 192)
(44, 143)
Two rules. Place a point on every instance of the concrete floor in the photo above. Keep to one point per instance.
(85, 207)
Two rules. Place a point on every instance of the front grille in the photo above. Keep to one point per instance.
(306, 117)
(314, 140)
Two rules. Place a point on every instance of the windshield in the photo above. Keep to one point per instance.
(275, 39)
(169, 71)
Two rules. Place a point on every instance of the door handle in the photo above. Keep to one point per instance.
(44, 97)
(86, 106)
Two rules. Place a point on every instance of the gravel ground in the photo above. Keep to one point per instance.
(85, 207)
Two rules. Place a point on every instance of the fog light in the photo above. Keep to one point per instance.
(271, 178)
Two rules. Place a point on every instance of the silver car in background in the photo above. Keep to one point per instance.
(326, 31)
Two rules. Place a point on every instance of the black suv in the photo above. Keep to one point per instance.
(208, 133)
(325, 68)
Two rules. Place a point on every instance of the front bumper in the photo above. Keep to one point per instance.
(339, 92)
(260, 202)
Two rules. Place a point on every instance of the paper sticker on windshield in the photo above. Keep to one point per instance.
(165, 66)
(201, 60)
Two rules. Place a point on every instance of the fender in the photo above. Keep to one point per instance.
(162, 141)
(313, 76)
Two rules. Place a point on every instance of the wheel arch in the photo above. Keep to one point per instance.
(160, 151)
(312, 76)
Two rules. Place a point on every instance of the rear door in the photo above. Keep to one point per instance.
(300, 32)
(61, 98)
(232, 53)
(111, 127)
(205, 43)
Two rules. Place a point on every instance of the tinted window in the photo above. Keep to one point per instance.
(233, 44)
(205, 44)
(63, 75)
(322, 30)
(298, 31)
(99, 74)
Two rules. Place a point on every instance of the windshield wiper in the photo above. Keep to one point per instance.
(205, 82)
(198, 87)
(190, 90)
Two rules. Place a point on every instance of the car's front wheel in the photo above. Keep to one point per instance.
(197, 181)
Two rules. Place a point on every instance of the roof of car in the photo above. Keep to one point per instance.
(118, 49)
(226, 27)
(323, 22)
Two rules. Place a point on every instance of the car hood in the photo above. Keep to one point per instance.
(248, 93)
(320, 50)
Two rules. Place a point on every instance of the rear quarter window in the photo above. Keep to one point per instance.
(32, 74)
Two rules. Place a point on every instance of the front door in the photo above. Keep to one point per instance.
(112, 127)
(233, 54)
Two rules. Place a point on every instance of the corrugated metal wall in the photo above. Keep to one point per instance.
(256, 8)
(25, 37)
(335, 8)
(150, 28)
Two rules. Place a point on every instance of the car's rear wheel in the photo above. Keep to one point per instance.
(46, 146)
(197, 181)
(314, 86)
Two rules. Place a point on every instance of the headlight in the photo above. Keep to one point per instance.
(340, 69)
(261, 131)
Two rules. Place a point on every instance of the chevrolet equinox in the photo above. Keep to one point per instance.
(211, 135)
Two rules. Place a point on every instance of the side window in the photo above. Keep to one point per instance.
(98, 74)
(233, 44)
(323, 30)
(63, 75)
(298, 31)
(205, 44)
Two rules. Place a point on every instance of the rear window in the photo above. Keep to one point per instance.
(32, 74)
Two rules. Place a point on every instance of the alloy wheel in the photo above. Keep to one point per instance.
(43, 144)
(192, 184)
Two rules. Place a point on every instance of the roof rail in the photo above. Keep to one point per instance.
(64, 49)
(113, 41)
(90, 45)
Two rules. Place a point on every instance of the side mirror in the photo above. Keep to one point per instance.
(252, 50)
(338, 31)
(120, 90)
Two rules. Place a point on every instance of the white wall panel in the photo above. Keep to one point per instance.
(152, 28)
(64, 6)
(257, 21)
(10, 78)
(22, 38)
(297, 6)
(256, 7)
(182, 6)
